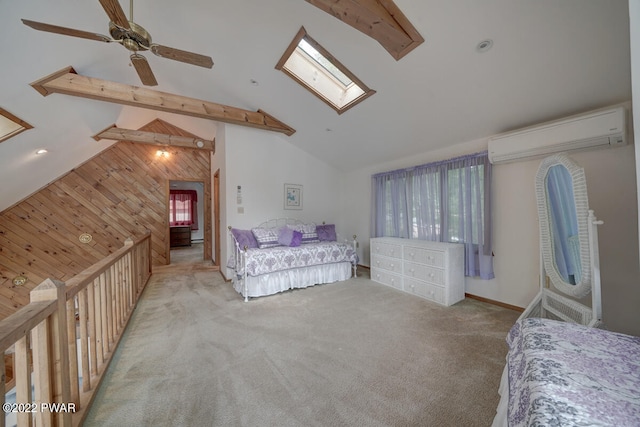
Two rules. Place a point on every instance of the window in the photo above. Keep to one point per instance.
(446, 201)
(309, 64)
(11, 125)
(183, 208)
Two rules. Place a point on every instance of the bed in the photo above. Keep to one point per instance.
(566, 374)
(283, 254)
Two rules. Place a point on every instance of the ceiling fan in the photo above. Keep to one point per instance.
(133, 37)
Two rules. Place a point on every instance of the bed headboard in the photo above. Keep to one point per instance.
(280, 222)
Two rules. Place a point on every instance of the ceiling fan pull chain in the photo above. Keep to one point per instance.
(131, 10)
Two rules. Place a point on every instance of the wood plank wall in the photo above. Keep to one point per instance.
(122, 192)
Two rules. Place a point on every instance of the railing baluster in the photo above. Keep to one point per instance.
(111, 333)
(104, 313)
(84, 340)
(73, 350)
(91, 305)
(41, 374)
(23, 379)
(114, 281)
(98, 308)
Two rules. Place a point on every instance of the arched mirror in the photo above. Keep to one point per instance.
(563, 211)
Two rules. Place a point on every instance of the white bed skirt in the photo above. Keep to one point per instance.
(272, 283)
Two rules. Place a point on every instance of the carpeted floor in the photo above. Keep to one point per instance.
(352, 353)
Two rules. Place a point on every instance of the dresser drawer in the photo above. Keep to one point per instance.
(386, 249)
(424, 256)
(424, 272)
(386, 278)
(425, 290)
(393, 265)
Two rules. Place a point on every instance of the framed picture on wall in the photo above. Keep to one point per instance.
(292, 196)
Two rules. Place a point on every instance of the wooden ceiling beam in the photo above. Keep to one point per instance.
(68, 82)
(153, 138)
(381, 20)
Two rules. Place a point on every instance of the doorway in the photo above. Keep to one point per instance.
(189, 243)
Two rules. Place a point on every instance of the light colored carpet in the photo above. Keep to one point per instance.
(352, 353)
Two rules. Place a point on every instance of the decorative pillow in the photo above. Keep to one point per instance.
(326, 232)
(266, 237)
(285, 235)
(244, 238)
(309, 234)
(296, 240)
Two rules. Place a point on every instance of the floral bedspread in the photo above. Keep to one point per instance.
(563, 374)
(269, 260)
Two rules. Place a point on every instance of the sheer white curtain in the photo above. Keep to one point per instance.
(446, 201)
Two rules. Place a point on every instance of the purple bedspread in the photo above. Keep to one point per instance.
(563, 374)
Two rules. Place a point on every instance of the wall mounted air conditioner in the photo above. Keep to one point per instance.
(601, 128)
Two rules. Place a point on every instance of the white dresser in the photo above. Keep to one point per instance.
(430, 270)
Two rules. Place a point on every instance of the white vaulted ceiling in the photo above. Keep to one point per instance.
(550, 58)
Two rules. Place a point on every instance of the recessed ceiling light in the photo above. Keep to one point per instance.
(41, 151)
(484, 45)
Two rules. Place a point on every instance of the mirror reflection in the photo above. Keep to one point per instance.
(564, 223)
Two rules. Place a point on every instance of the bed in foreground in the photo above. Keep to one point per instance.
(283, 254)
(565, 374)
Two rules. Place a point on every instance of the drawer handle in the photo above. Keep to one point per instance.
(378, 263)
(412, 271)
(377, 276)
(431, 275)
(392, 265)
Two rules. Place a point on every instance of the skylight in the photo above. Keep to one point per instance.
(315, 68)
(10, 125)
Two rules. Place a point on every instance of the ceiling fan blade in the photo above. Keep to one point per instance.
(143, 69)
(182, 55)
(66, 31)
(115, 13)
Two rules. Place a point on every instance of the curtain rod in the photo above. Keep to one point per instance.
(432, 164)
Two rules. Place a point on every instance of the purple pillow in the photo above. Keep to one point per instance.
(289, 237)
(296, 239)
(244, 238)
(326, 232)
(284, 236)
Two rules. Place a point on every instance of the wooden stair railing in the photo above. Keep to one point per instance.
(53, 385)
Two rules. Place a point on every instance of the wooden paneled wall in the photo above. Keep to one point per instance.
(122, 192)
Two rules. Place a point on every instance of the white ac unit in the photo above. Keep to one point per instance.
(601, 128)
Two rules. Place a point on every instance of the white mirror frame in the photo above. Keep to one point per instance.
(583, 287)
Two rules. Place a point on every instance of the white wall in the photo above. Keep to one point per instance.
(261, 163)
(612, 194)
